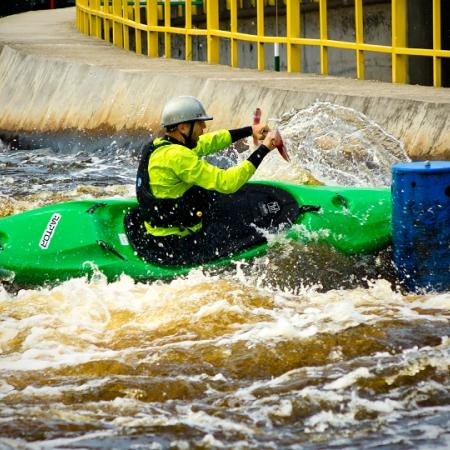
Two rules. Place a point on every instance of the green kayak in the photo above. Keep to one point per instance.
(73, 239)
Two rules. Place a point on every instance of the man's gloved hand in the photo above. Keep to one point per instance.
(270, 140)
(259, 131)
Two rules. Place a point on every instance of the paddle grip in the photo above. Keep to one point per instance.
(256, 121)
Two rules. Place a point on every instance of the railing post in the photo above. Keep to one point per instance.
(260, 32)
(106, 22)
(137, 31)
(78, 16)
(125, 29)
(91, 18)
(212, 23)
(359, 37)
(117, 26)
(188, 27)
(293, 31)
(98, 21)
(233, 29)
(437, 66)
(323, 36)
(152, 21)
(167, 35)
(399, 61)
(86, 19)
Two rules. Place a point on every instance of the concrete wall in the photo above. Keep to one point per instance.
(41, 95)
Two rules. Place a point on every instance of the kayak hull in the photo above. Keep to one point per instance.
(74, 239)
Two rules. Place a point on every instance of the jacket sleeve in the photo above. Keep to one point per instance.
(195, 171)
(212, 142)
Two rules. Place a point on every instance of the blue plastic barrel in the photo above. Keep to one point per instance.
(421, 225)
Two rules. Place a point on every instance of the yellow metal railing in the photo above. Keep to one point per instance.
(100, 18)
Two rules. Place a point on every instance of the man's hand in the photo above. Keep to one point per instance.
(260, 131)
(270, 140)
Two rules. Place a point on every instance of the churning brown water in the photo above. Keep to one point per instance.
(301, 349)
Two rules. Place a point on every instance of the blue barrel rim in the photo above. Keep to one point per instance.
(422, 167)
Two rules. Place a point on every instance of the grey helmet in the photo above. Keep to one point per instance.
(183, 109)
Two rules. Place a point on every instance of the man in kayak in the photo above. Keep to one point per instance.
(176, 188)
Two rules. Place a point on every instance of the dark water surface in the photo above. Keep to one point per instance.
(300, 349)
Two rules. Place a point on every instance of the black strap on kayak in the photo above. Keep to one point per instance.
(109, 248)
(95, 206)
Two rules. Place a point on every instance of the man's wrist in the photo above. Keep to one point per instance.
(240, 133)
(258, 155)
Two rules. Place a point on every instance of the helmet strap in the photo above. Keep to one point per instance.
(188, 138)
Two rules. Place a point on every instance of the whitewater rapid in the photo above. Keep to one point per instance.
(302, 348)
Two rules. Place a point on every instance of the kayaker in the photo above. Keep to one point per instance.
(176, 188)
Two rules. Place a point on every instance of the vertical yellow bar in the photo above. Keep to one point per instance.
(125, 28)
(233, 29)
(323, 36)
(106, 22)
(95, 30)
(188, 26)
(167, 36)
(90, 19)
(86, 18)
(117, 26)
(399, 62)
(98, 28)
(293, 31)
(212, 24)
(359, 36)
(78, 16)
(86, 23)
(260, 33)
(137, 19)
(437, 66)
(152, 36)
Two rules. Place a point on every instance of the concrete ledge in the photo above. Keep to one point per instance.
(53, 79)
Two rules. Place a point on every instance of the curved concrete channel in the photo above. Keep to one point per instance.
(54, 79)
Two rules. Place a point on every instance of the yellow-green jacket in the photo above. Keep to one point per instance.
(174, 170)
